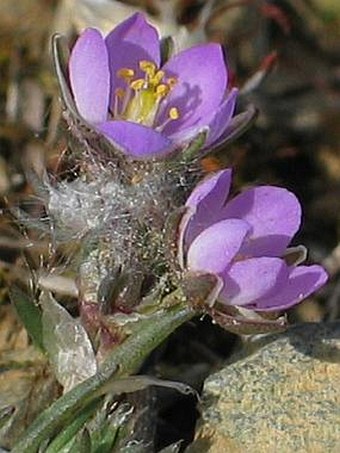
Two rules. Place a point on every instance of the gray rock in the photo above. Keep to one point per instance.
(282, 395)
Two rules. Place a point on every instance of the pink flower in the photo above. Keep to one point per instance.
(244, 242)
(146, 108)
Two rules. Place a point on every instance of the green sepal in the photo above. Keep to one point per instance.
(167, 49)
(249, 323)
(191, 151)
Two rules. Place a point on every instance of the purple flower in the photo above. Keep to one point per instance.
(244, 241)
(146, 109)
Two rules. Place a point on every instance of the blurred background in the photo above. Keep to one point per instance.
(284, 54)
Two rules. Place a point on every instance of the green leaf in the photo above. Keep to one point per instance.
(110, 427)
(29, 314)
(72, 429)
(82, 443)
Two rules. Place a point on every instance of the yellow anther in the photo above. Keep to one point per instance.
(137, 84)
(171, 82)
(125, 73)
(162, 90)
(119, 92)
(148, 67)
(157, 78)
(174, 113)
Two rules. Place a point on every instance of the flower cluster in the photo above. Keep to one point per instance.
(145, 108)
(244, 241)
(148, 109)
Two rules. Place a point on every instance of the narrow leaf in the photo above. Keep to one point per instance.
(29, 314)
(71, 429)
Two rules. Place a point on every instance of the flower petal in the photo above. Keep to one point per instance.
(302, 281)
(201, 83)
(216, 185)
(222, 118)
(273, 212)
(130, 42)
(216, 246)
(136, 140)
(189, 230)
(205, 204)
(251, 279)
(90, 77)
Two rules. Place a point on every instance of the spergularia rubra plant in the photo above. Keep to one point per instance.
(152, 248)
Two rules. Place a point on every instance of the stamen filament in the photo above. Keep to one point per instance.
(126, 101)
(119, 96)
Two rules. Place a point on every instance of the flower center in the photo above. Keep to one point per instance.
(141, 99)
